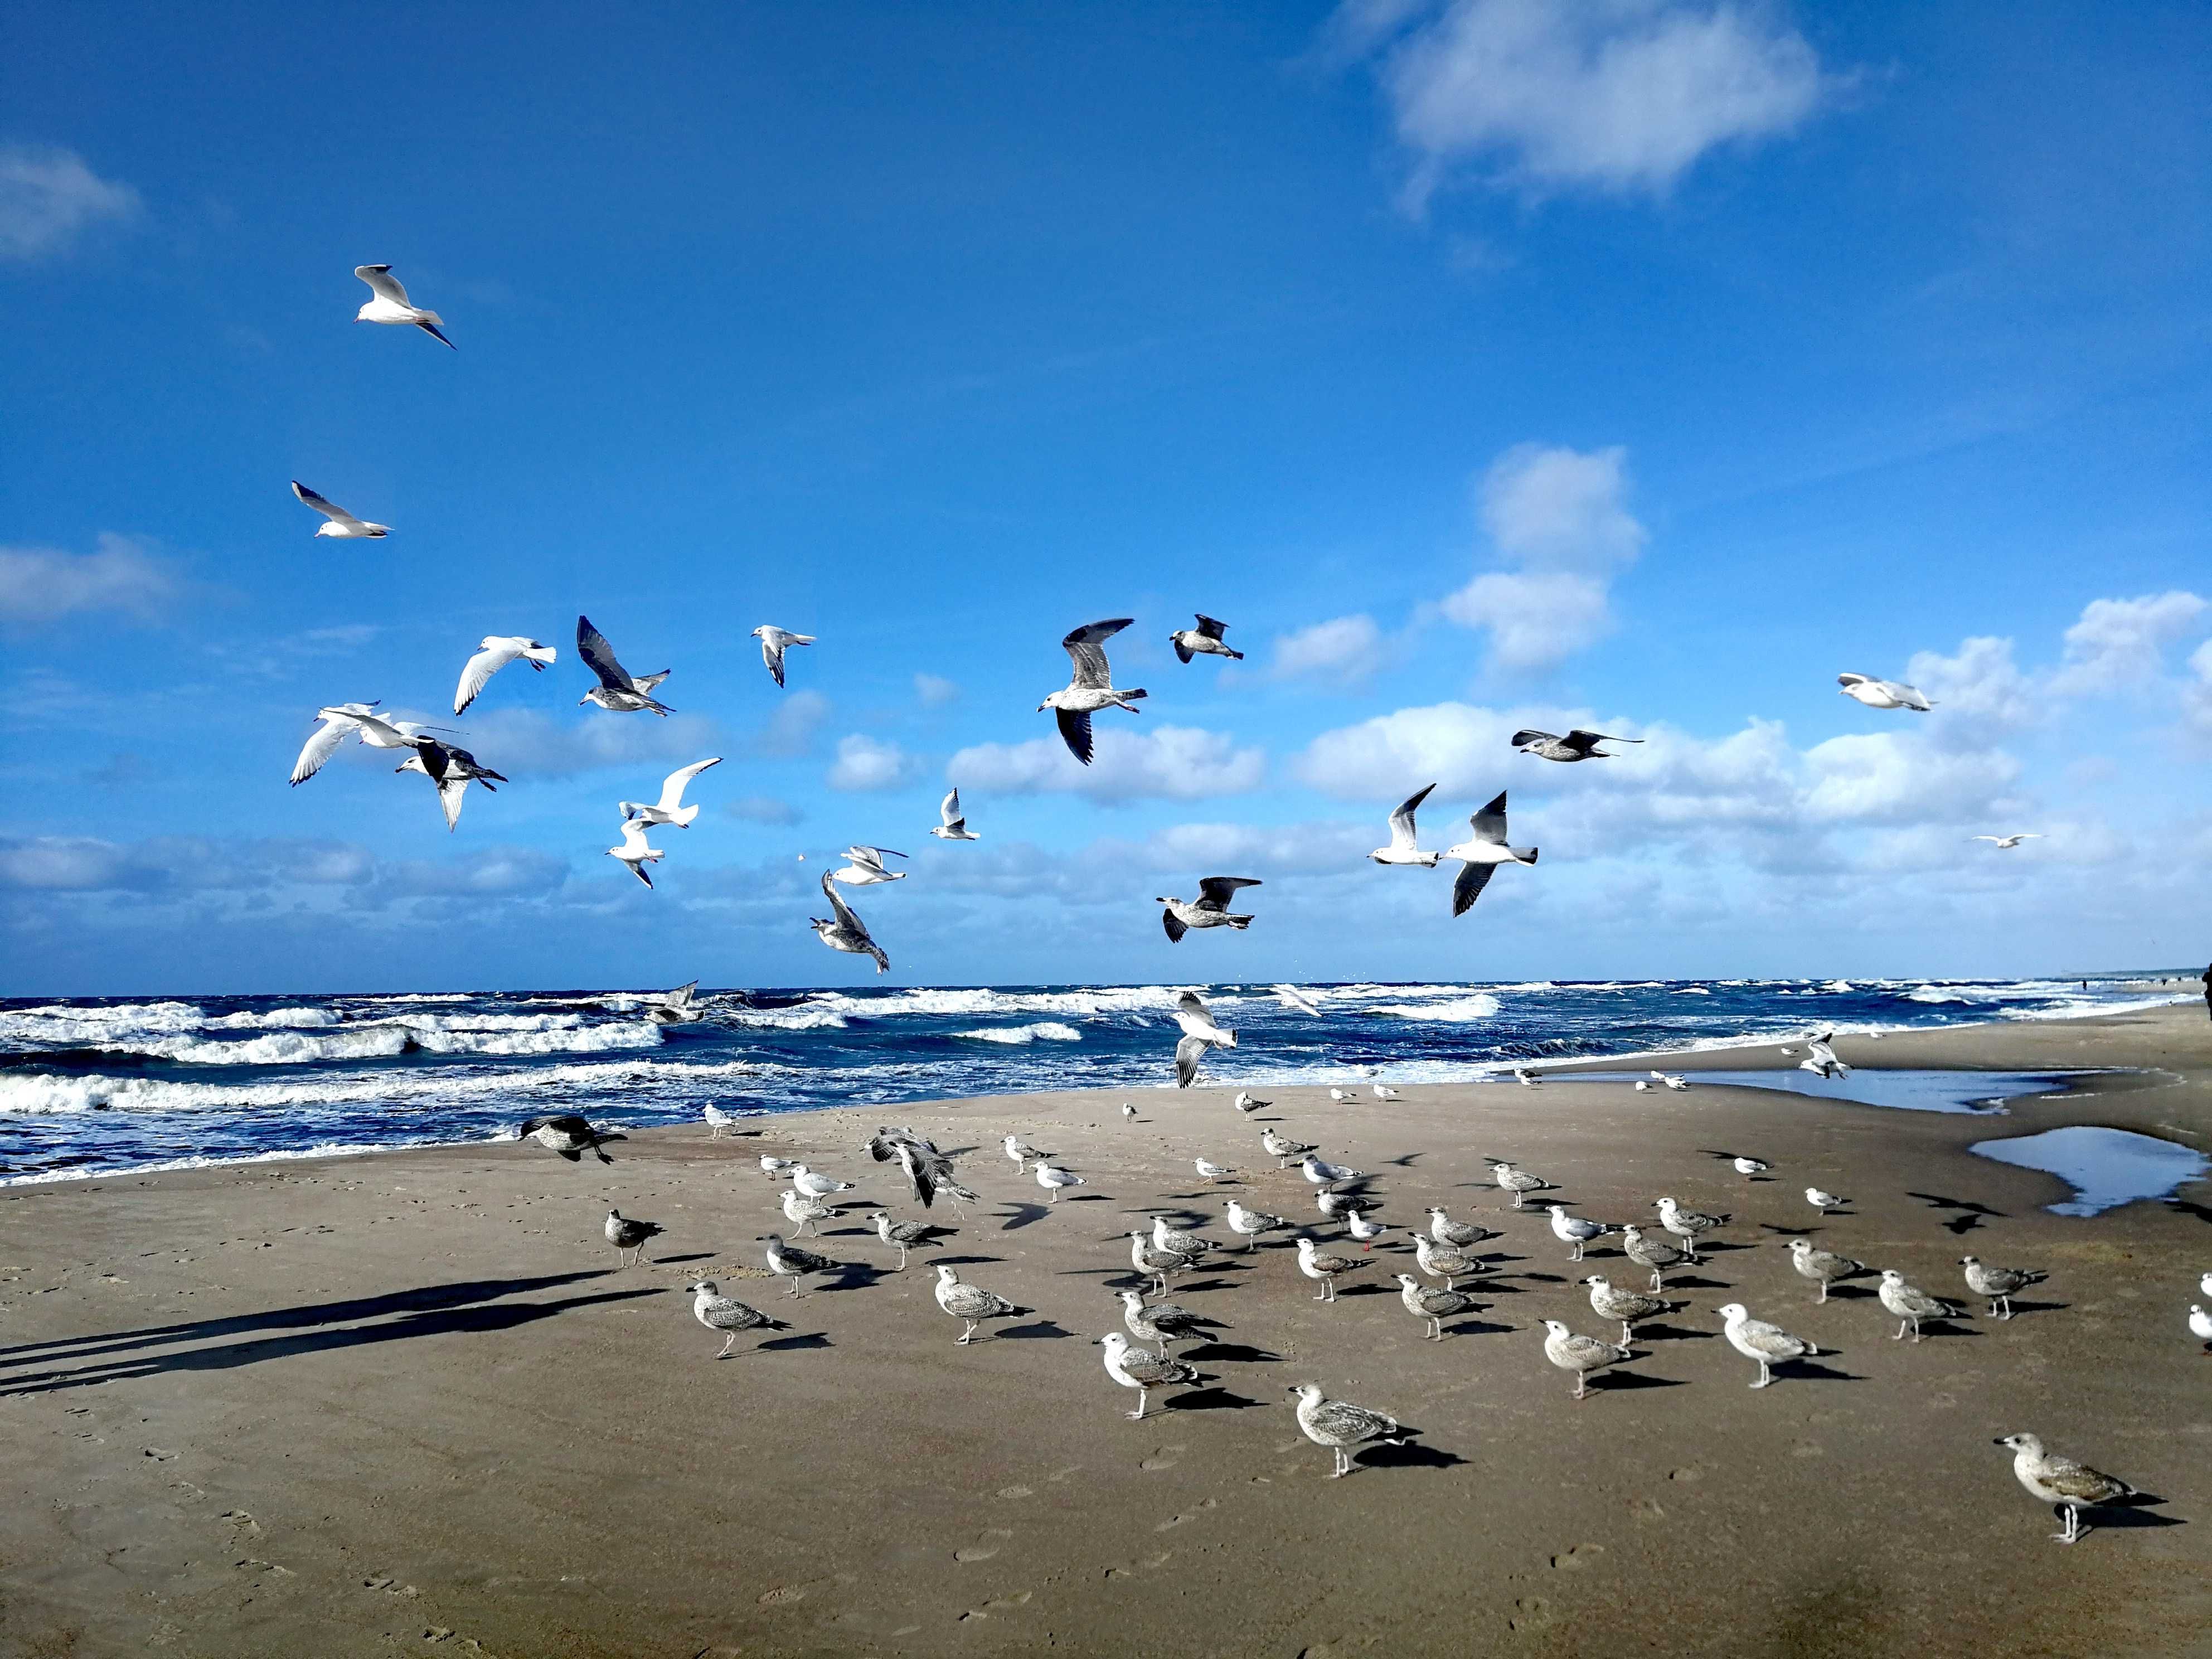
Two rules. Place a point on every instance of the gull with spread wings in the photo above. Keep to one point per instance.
(342, 523)
(618, 691)
(670, 808)
(392, 304)
(495, 654)
(1209, 909)
(1403, 849)
(1091, 688)
(847, 932)
(1481, 853)
(1576, 745)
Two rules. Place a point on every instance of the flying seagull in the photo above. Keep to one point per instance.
(1091, 688)
(495, 654)
(390, 304)
(568, 1135)
(955, 824)
(1203, 641)
(634, 852)
(864, 866)
(1576, 745)
(1883, 693)
(774, 641)
(1209, 909)
(617, 691)
(1481, 853)
(452, 770)
(1306, 1002)
(2004, 842)
(1199, 1034)
(358, 720)
(670, 808)
(342, 523)
(846, 932)
(1402, 849)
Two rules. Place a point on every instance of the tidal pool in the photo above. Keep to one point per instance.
(2106, 1168)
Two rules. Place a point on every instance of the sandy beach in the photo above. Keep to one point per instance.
(408, 1403)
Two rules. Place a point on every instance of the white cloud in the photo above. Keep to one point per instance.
(764, 809)
(1610, 95)
(85, 864)
(934, 691)
(527, 741)
(1558, 513)
(49, 197)
(121, 576)
(1453, 745)
(792, 730)
(2121, 644)
(1887, 777)
(1344, 650)
(867, 763)
(1170, 762)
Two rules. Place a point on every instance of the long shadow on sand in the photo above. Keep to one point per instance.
(1212, 1400)
(1407, 1457)
(1970, 1214)
(1036, 1330)
(444, 1321)
(1023, 1215)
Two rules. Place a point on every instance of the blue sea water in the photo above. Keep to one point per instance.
(96, 1087)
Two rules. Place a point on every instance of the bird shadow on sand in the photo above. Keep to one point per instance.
(1930, 1329)
(966, 1261)
(1344, 1291)
(2189, 1206)
(1409, 1457)
(1672, 1334)
(807, 1340)
(1850, 1293)
(2133, 1510)
(853, 1276)
(1023, 1216)
(1475, 1328)
(1787, 1232)
(1229, 1354)
(1036, 1330)
(1543, 1279)
(1811, 1370)
(1196, 1285)
(2020, 1307)
(695, 1255)
(1970, 1215)
(1720, 1247)
(1692, 1282)
(1629, 1381)
(1404, 1162)
(1212, 1400)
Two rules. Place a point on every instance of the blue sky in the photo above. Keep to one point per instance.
(1481, 363)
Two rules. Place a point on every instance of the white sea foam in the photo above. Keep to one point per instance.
(1043, 1031)
(1481, 1006)
(324, 1149)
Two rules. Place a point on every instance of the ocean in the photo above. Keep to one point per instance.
(95, 1086)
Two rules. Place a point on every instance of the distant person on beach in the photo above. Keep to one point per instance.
(2207, 977)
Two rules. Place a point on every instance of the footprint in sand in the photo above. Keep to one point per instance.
(1530, 1613)
(989, 1544)
(157, 1454)
(1577, 1557)
(1177, 1520)
(1166, 1458)
(1686, 1475)
(997, 1604)
(782, 1593)
(1016, 1491)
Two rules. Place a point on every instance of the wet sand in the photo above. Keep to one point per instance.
(406, 1402)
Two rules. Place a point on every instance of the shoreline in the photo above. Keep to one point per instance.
(336, 1405)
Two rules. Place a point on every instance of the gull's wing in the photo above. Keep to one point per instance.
(1467, 885)
(1489, 824)
(380, 278)
(1587, 741)
(1075, 732)
(949, 809)
(478, 670)
(1401, 821)
(1998, 839)
(1173, 926)
(772, 654)
(633, 835)
(873, 857)
(321, 745)
(1086, 648)
(322, 504)
(1215, 890)
(1291, 997)
(1188, 1052)
(846, 917)
(599, 657)
(1911, 695)
(450, 791)
(671, 787)
(1526, 736)
(1210, 629)
(1850, 679)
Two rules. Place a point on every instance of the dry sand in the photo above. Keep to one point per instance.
(405, 1402)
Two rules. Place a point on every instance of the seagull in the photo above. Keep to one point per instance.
(1342, 1096)
(390, 304)
(1342, 1426)
(1203, 641)
(1177, 1241)
(1208, 1171)
(902, 1236)
(1446, 1263)
(815, 1184)
(787, 1260)
(1163, 1322)
(1642, 1086)
(1303, 1002)
(634, 852)
(1282, 1149)
(619, 691)
(1209, 909)
(1754, 1338)
(1574, 1231)
(495, 654)
(773, 1167)
(1427, 1302)
(1316, 1264)
(568, 1135)
(774, 641)
(1510, 1178)
(1323, 1174)
(1200, 1032)
(954, 826)
(1751, 1166)
(670, 808)
(718, 1312)
(1688, 1225)
(1335, 1206)
(1580, 1354)
(1998, 1284)
(1822, 1058)
(2061, 1482)
(1402, 848)
(1140, 1368)
(1357, 1224)
(1823, 1268)
(1611, 1301)
(1154, 1264)
(1021, 1153)
(1456, 1235)
(1052, 1178)
(1246, 1102)
(1883, 693)
(845, 931)
(864, 866)
(341, 522)
(1525, 1077)
(627, 1235)
(717, 1120)
(452, 770)
(1481, 853)
(2200, 1325)
(1383, 1091)
(1576, 745)
(803, 1212)
(676, 1007)
(1249, 1224)
(970, 1304)
(358, 720)
(1909, 1304)
(1653, 1253)
(2002, 844)
(1824, 1202)
(1130, 1111)
(1677, 1084)
(1091, 688)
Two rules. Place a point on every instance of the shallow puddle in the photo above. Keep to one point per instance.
(2106, 1168)
(1904, 1090)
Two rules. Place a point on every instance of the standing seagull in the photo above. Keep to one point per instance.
(1576, 745)
(2061, 1482)
(1754, 1338)
(1142, 1370)
(1611, 1301)
(1883, 693)
(954, 826)
(1512, 1178)
(341, 522)
(618, 691)
(1574, 1230)
(670, 808)
(1997, 1284)
(1324, 1267)
(1209, 909)
(1655, 1253)
(1911, 1304)
(1404, 837)
(627, 1235)
(392, 305)
(718, 1312)
(864, 866)
(1433, 1306)
(634, 852)
(2000, 842)
(495, 654)
(1249, 1224)
(568, 1135)
(1203, 641)
(847, 932)
(1825, 1201)
(902, 1236)
(1688, 1225)
(774, 641)
(1481, 853)
(1052, 1178)
(970, 1304)
(1823, 1268)
(1342, 1426)
(1200, 1033)
(1580, 1354)
(787, 1260)
(1091, 688)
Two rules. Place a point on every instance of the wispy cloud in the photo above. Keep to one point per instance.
(934, 691)
(764, 809)
(1170, 762)
(865, 763)
(122, 576)
(521, 741)
(50, 198)
(1342, 651)
(793, 729)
